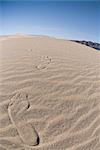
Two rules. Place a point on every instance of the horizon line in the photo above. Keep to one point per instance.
(57, 37)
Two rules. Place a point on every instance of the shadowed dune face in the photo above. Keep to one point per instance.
(49, 94)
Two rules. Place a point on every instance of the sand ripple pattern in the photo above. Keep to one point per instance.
(49, 95)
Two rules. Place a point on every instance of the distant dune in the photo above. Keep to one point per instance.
(49, 94)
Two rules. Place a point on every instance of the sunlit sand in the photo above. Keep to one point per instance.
(49, 94)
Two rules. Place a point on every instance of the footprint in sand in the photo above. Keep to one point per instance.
(45, 61)
(17, 106)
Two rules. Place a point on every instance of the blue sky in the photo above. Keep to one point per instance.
(64, 19)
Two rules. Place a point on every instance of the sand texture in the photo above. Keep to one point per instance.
(49, 94)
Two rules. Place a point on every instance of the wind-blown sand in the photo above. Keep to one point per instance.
(49, 94)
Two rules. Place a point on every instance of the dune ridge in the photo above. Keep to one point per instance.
(61, 80)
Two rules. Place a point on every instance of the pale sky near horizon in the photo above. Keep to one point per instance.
(78, 20)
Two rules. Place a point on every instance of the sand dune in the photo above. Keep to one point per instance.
(49, 94)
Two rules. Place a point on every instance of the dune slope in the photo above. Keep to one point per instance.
(49, 94)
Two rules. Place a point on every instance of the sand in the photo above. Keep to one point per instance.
(49, 94)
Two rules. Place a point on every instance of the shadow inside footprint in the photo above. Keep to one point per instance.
(38, 140)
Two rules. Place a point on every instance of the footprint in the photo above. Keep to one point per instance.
(16, 109)
(45, 61)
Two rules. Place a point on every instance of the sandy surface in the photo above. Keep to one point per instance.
(49, 94)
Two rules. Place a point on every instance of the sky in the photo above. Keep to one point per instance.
(78, 20)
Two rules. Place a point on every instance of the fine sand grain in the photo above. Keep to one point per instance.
(49, 94)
